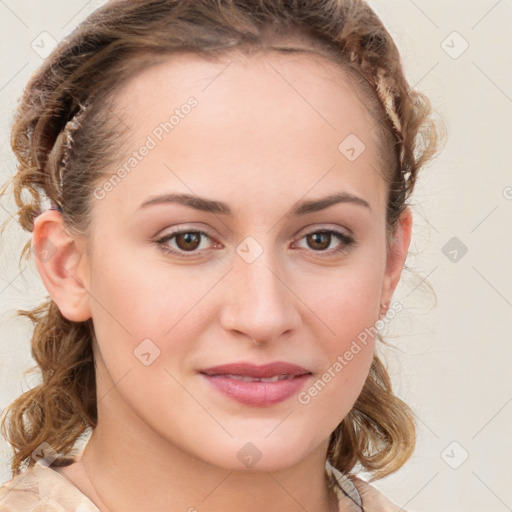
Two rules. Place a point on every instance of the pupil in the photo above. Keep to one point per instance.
(317, 239)
(189, 238)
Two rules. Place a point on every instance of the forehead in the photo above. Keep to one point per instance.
(261, 119)
(307, 74)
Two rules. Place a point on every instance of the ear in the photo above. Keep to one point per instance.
(62, 263)
(397, 250)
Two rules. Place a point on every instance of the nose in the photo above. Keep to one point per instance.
(259, 301)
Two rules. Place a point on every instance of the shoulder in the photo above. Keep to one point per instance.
(373, 499)
(365, 497)
(41, 489)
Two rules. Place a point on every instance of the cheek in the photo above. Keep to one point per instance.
(131, 303)
(336, 387)
(346, 306)
(131, 293)
(346, 301)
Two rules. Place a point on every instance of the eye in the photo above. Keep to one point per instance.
(322, 239)
(186, 241)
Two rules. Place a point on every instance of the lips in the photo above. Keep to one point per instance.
(257, 385)
(274, 370)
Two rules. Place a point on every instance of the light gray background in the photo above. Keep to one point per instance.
(453, 361)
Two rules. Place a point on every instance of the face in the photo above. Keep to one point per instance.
(248, 269)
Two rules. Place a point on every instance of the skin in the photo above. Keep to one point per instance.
(265, 134)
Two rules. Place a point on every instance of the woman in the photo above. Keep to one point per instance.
(227, 184)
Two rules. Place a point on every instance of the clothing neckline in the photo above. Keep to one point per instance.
(342, 484)
(66, 461)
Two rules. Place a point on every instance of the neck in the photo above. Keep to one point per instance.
(145, 472)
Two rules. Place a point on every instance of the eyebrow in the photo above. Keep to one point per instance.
(300, 208)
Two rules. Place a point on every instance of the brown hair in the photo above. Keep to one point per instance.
(65, 134)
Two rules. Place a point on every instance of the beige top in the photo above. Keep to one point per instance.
(42, 489)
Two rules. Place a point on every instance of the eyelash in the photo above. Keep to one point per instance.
(347, 242)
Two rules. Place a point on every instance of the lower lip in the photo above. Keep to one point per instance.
(258, 394)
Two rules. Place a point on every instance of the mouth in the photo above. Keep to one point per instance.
(257, 385)
(277, 370)
(246, 378)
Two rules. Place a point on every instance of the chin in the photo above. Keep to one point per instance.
(255, 455)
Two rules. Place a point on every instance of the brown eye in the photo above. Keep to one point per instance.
(185, 243)
(188, 241)
(319, 240)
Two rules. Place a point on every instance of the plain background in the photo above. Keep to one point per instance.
(453, 357)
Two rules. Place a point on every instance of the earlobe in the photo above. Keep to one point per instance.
(397, 254)
(58, 259)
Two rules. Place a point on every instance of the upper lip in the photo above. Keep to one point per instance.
(252, 370)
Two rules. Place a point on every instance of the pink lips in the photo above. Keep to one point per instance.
(243, 381)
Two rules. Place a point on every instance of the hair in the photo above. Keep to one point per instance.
(65, 134)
